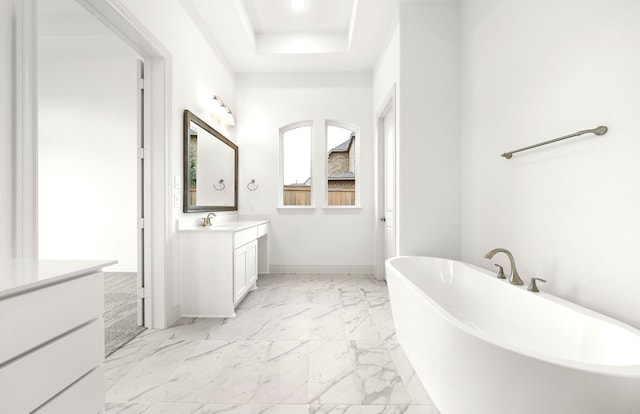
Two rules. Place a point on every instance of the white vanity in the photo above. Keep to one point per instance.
(219, 265)
(52, 333)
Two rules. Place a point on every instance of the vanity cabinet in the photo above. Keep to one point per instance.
(53, 336)
(219, 265)
(245, 269)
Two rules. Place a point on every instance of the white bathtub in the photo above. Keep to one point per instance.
(482, 346)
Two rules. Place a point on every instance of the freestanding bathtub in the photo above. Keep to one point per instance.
(482, 346)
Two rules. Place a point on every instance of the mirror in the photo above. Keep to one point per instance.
(210, 168)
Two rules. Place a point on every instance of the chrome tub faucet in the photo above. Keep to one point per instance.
(514, 277)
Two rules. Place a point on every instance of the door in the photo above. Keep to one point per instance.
(141, 193)
(239, 272)
(389, 131)
(252, 264)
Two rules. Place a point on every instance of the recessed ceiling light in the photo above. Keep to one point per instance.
(298, 5)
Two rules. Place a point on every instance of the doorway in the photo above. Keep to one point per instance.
(386, 230)
(89, 180)
(157, 220)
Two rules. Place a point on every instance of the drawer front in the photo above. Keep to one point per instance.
(263, 229)
(31, 380)
(242, 237)
(85, 396)
(35, 317)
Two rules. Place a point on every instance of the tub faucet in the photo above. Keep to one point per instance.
(532, 285)
(514, 277)
(207, 221)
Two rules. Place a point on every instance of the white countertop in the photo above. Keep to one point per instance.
(19, 276)
(229, 226)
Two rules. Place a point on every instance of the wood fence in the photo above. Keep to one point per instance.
(301, 196)
(342, 197)
(296, 195)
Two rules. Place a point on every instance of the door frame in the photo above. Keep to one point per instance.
(157, 125)
(389, 104)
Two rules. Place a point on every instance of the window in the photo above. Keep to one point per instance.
(342, 147)
(295, 154)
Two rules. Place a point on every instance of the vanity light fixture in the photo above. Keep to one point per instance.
(218, 101)
(229, 116)
(222, 112)
(298, 5)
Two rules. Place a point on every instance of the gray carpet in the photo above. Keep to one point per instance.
(120, 308)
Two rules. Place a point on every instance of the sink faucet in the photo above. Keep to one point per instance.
(207, 221)
(514, 277)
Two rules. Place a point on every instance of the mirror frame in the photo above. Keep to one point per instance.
(188, 118)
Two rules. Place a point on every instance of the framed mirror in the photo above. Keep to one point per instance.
(210, 168)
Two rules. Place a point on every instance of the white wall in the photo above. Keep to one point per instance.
(386, 73)
(422, 60)
(569, 212)
(386, 86)
(87, 174)
(6, 125)
(428, 163)
(305, 238)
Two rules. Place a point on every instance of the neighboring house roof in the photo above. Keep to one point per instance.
(306, 183)
(343, 176)
(344, 147)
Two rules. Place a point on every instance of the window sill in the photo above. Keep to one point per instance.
(296, 207)
(342, 207)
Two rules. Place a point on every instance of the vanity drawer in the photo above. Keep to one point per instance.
(242, 237)
(35, 317)
(263, 229)
(34, 378)
(85, 396)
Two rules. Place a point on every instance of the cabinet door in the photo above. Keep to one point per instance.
(252, 263)
(239, 272)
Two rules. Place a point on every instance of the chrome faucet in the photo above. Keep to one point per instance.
(514, 277)
(207, 221)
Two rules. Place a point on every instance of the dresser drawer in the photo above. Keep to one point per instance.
(35, 317)
(84, 396)
(263, 229)
(242, 237)
(31, 380)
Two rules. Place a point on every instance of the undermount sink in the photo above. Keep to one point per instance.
(220, 227)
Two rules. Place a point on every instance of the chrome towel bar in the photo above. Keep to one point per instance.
(601, 130)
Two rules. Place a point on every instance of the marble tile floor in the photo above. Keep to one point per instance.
(298, 344)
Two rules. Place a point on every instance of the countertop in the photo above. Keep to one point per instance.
(20, 276)
(229, 226)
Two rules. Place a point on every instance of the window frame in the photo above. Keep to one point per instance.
(356, 130)
(282, 131)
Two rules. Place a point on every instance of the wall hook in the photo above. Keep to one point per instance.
(252, 186)
(220, 186)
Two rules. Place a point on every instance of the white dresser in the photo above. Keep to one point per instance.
(219, 265)
(52, 333)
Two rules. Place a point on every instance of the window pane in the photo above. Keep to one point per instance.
(296, 172)
(341, 166)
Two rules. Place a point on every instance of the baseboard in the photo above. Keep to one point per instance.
(121, 268)
(208, 316)
(322, 269)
